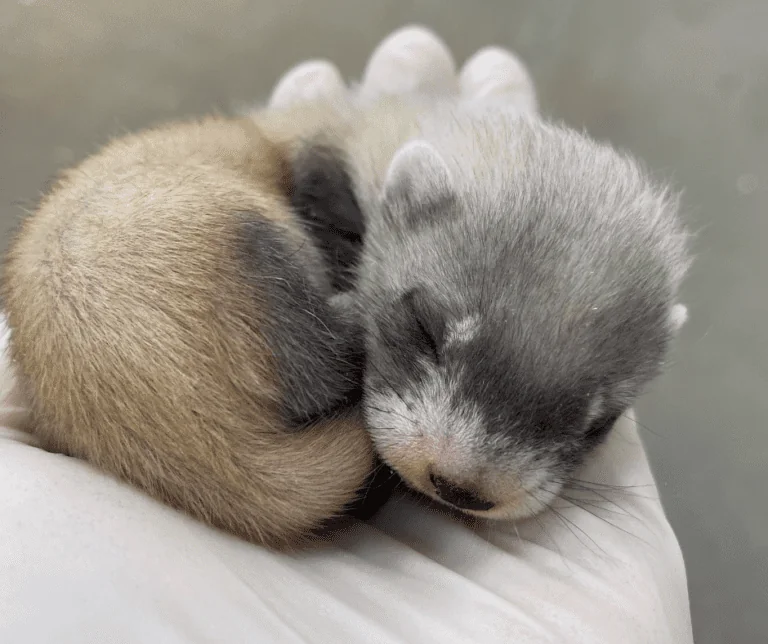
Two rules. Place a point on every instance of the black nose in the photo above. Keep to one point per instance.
(459, 497)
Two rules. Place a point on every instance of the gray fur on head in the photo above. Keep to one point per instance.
(519, 288)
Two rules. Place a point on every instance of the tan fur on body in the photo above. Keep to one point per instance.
(138, 340)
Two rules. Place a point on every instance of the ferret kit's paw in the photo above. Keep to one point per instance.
(410, 60)
(312, 80)
(496, 75)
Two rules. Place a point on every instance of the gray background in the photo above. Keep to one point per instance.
(682, 84)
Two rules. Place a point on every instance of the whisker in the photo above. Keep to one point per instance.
(605, 487)
(517, 532)
(560, 495)
(613, 525)
(610, 485)
(601, 495)
(596, 505)
(568, 523)
(642, 426)
(538, 520)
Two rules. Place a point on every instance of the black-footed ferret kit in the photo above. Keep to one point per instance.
(176, 322)
(170, 324)
(517, 287)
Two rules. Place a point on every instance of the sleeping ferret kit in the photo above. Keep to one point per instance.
(241, 315)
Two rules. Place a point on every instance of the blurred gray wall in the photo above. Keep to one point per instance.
(683, 84)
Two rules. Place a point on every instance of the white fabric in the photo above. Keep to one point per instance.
(85, 559)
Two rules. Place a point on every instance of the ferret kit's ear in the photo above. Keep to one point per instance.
(323, 191)
(418, 186)
(324, 199)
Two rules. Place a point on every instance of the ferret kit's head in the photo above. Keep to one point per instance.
(515, 303)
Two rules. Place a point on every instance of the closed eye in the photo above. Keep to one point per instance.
(428, 340)
(425, 325)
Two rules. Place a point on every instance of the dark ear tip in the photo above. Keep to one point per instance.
(323, 189)
(323, 198)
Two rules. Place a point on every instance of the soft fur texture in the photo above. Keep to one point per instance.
(517, 289)
(518, 285)
(170, 325)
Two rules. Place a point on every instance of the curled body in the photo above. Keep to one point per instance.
(170, 325)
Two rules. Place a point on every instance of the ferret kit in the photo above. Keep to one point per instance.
(241, 315)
